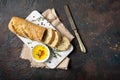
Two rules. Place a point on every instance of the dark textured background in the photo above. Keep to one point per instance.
(98, 22)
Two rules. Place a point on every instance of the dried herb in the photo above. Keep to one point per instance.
(40, 19)
(55, 54)
(29, 42)
(33, 20)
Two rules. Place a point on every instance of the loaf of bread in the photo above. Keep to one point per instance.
(26, 29)
(32, 31)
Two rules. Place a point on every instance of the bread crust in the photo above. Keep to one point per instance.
(56, 40)
(64, 44)
(24, 28)
(49, 36)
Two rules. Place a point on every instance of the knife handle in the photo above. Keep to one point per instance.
(81, 45)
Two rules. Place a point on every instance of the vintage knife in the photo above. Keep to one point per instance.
(67, 10)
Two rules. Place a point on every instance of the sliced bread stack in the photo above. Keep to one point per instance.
(55, 40)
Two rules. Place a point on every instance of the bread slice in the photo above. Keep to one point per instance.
(26, 29)
(56, 40)
(64, 44)
(49, 36)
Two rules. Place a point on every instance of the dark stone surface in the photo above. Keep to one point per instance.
(98, 22)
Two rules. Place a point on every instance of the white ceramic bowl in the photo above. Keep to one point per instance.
(46, 58)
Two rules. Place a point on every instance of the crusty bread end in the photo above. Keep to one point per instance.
(64, 44)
